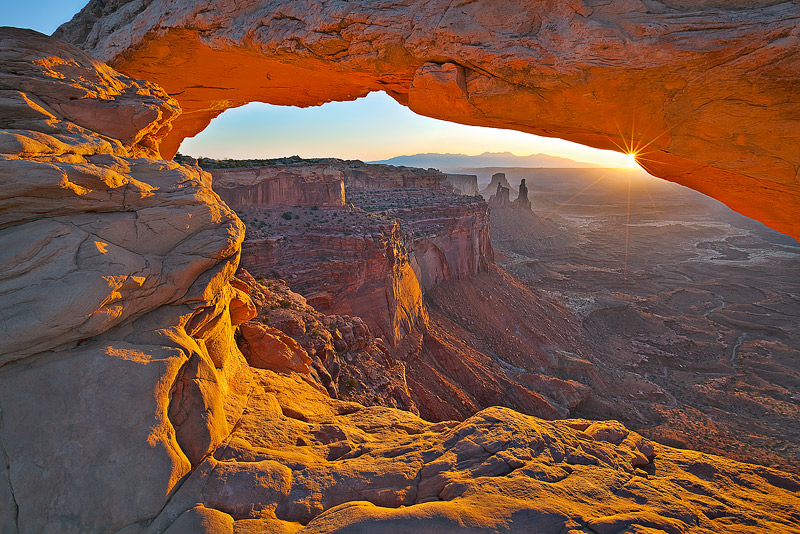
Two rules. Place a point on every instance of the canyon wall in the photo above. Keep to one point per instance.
(705, 93)
(354, 261)
(447, 235)
(359, 175)
(268, 187)
(465, 184)
(360, 271)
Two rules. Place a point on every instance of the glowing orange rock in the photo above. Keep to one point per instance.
(705, 93)
(269, 348)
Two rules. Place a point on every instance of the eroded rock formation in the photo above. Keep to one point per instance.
(707, 91)
(338, 353)
(355, 259)
(126, 405)
(500, 199)
(341, 263)
(359, 175)
(465, 184)
(302, 462)
(269, 187)
(498, 180)
(118, 368)
(522, 201)
(447, 235)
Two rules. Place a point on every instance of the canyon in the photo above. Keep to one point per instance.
(148, 384)
(491, 337)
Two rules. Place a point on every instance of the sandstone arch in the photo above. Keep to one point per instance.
(711, 89)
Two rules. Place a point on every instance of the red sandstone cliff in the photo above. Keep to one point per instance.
(268, 187)
(358, 175)
(448, 235)
(343, 261)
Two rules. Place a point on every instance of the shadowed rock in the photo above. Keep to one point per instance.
(522, 201)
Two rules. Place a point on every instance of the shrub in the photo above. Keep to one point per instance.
(287, 215)
(351, 383)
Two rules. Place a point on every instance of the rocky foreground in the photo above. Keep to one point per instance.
(126, 404)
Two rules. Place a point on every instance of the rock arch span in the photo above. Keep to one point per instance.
(709, 91)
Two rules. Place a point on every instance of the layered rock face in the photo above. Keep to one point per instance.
(349, 262)
(447, 235)
(118, 368)
(269, 187)
(343, 261)
(359, 175)
(464, 184)
(53, 88)
(706, 92)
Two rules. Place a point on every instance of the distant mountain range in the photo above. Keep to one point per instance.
(449, 162)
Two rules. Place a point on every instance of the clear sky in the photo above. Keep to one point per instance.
(371, 128)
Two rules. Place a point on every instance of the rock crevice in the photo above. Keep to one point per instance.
(9, 508)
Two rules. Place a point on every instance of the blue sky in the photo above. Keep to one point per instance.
(40, 15)
(370, 128)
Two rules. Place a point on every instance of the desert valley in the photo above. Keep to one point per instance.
(428, 343)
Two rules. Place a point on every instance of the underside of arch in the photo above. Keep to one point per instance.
(707, 93)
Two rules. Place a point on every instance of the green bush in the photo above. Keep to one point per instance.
(351, 383)
(287, 215)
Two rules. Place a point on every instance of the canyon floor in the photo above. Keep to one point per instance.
(690, 310)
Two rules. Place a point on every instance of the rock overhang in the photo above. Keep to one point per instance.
(707, 92)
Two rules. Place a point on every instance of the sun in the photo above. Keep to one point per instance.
(631, 160)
